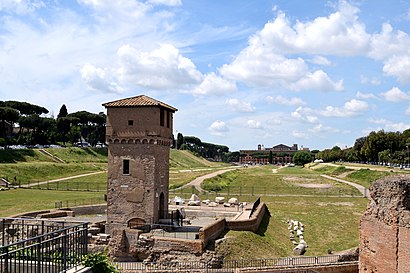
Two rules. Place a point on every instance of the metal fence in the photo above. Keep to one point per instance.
(230, 265)
(80, 202)
(30, 245)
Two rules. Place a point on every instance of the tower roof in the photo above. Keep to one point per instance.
(138, 101)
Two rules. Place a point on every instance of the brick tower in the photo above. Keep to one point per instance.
(139, 135)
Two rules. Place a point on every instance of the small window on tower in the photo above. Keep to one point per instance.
(126, 166)
(130, 122)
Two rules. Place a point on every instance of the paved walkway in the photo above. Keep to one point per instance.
(363, 190)
(197, 181)
(60, 179)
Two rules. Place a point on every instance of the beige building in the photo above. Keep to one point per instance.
(139, 136)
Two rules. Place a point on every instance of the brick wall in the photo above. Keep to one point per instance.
(385, 229)
(212, 231)
(251, 224)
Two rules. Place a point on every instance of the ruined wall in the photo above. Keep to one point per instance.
(212, 231)
(385, 227)
(350, 267)
(251, 224)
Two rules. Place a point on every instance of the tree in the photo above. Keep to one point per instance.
(63, 112)
(270, 157)
(302, 157)
(8, 116)
(180, 141)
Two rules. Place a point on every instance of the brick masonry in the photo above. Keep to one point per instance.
(385, 227)
(138, 137)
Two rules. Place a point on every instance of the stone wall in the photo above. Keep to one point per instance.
(175, 244)
(212, 231)
(351, 267)
(385, 227)
(250, 224)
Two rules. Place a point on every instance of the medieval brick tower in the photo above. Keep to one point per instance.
(139, 135)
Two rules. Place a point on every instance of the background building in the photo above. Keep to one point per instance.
(279, 154)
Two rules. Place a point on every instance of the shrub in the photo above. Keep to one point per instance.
(99, 262)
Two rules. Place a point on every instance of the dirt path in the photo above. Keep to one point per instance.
(363, 190)
(59, 179)
(197, 181)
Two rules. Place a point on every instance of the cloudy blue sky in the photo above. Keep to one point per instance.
(317, 73)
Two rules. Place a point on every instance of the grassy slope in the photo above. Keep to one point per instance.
(180, 159)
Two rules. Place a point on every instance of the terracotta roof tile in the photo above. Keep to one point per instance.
(141, 100)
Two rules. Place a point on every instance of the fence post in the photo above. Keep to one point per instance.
(6, 259)
(240, 190)
(38, 254)
(252, 190)
(64, 250)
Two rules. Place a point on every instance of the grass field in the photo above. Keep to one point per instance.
(330, 223)
(16, 201)
(78, 155)
(330, 210)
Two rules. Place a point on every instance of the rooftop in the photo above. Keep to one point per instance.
(140, 100)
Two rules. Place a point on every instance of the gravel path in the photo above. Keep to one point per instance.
(59, 179)
(197, 181)
(362, 189)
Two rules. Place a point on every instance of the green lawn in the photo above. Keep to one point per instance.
(287, 181)
(31, 172)
(76, 155)
(330, 223)
(15, 201)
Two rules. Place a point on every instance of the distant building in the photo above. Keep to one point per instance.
(281, 154)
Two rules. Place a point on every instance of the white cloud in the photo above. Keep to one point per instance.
(285, 101)
(365, 96)
(240, 106)
(213, 84)
(399, 67)
(392, 49)
(254, 124)
(320, 128)
(373, 80)
(389, 125)
(21, 7)
(320, 60)
(97, 79)
(304, 114)
(161, 68)
(350, 108)
(299, 134)
(396, 95)
(166, 2)
(218, 128)
(340, 33)
(317, 81)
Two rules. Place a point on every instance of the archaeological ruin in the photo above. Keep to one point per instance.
(385, 227)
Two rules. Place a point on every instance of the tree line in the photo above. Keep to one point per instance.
(35, 128)
(206, 150)
(377, 147)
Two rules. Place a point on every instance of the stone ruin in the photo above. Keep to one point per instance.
(385, 227)
(298, 228)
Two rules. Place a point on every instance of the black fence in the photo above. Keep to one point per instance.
(233, 265)
(80, 202)
(31, 245)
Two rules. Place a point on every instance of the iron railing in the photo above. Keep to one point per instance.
(30, 245)
(231, 265)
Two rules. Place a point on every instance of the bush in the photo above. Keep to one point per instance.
(99, 263)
